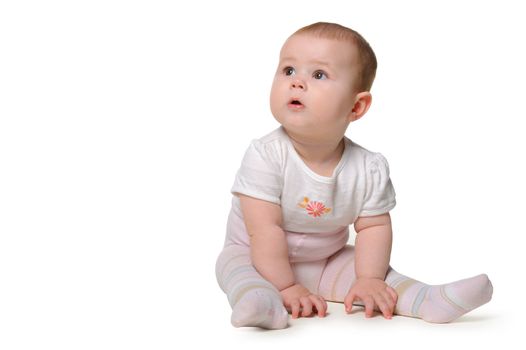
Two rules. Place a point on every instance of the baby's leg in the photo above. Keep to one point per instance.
(437, 303)
(309, 273)
(254, 301)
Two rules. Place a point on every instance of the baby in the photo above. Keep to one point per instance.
(300, 187)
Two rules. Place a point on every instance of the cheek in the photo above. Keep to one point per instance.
(274, 98)
(277, 91)
(342, 101)
(333, 108)
(328, 103)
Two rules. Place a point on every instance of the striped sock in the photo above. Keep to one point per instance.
(255, 302)
(439, 303)
(260, 307)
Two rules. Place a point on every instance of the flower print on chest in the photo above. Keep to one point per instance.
(314, 208)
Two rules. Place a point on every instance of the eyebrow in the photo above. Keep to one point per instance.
(316, 62)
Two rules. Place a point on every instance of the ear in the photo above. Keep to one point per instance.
(362, 102)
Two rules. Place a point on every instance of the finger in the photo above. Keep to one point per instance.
(319, 305)
(393, 293)
(306, 304)
(325, 306)
(349, 299)
(391, 303)
(369, 306)
(295, 307)
(379, 299)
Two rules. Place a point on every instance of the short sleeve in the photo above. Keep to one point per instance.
(380, 193)
(260, 174)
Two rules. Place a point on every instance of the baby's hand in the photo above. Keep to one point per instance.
(372, 292)
(298, 298)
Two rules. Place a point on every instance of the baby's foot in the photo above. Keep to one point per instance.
(260, 308)
(444, 303)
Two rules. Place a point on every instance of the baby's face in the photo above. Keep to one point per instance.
(312, 94)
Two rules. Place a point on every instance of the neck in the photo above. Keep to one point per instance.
(319, 152)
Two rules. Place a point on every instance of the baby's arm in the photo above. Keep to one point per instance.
(372, 254)
(268, 245)
(269, 253)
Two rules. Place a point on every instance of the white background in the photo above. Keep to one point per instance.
(122, 124)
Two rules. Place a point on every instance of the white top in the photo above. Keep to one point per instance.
(272, 170)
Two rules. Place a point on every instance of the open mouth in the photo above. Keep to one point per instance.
(295, 103)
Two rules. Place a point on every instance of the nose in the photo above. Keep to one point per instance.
(298, 84)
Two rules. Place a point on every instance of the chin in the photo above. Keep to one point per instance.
(298, 134)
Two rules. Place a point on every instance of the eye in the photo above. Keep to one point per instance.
(288, 70)
(319, 74)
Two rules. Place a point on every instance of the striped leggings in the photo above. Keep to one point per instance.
(322, 262)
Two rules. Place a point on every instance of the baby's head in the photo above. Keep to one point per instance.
(322, 83)
(365, 60)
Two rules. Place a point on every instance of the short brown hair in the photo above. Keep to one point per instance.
(366, 54)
